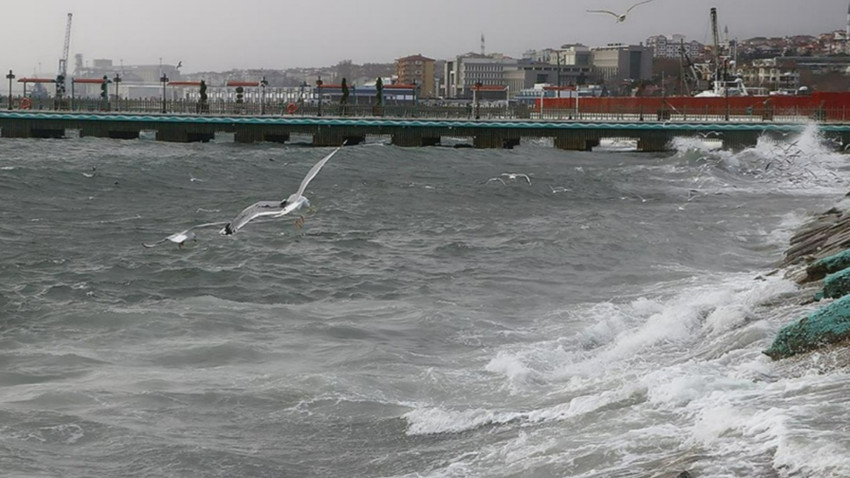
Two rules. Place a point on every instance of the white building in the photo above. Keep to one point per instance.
(668, 46)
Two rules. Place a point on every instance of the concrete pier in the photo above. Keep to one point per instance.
(407, 132)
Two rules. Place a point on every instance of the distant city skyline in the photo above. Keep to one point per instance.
(218, 36)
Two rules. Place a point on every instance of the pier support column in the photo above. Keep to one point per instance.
(575, 142)
(11, 129)
(410, 140)
(253, 134)
(47, 133)
(181, 135)
(100, 132)
(652, 144)
(740, 139)
(494, 139)
(328, 137)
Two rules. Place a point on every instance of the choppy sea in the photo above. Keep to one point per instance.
(433, 317)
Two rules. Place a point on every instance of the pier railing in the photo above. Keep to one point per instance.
(445, 110)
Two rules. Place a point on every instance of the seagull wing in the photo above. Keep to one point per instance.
(609, 12)
(636, 4)
(313, 172)
(258, 209)
(181, 236)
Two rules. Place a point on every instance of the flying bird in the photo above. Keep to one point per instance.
(181, 237)
(620, 18)
(294, 202)
(262, 208)
(515, 176)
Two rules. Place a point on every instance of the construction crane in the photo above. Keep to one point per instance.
(63, 62)
(687, 70)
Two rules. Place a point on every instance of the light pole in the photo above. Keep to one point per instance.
(164, 80)
(10, 76)
(477, 90)
(263, 84)
(319, 91)
(117, 80)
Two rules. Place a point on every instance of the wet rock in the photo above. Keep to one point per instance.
(828, 265)
(828, 325)
(837, 284)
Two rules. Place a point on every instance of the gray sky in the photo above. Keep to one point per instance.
(277, 34)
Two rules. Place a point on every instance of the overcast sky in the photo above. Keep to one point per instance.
(214, 35)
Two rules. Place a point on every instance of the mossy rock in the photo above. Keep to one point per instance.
(837, 284)
(827, 325)
(828, 265)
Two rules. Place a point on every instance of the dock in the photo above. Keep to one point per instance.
(578, 135)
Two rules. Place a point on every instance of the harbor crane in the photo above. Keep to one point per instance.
(63, 62)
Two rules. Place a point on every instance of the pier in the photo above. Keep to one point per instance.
(580, 135)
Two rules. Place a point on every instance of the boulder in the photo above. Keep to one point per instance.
(837, 284)
(827, 325)
(828, 265)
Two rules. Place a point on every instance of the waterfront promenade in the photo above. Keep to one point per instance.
(582, 132)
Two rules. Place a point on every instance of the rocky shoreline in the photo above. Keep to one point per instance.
(818, 257)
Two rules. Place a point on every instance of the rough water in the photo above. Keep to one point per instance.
(605, 320)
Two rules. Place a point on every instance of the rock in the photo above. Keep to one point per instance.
(683, 474)
(827, 265)
(827, 325)
(837, 284)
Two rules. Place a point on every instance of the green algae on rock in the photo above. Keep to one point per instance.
(837, 284)
(828, 265)
(827, 325)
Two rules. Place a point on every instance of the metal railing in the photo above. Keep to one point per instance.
(429, 110)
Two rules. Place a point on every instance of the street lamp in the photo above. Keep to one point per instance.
(117, 80)
(477, 94)
(10, 76)
(263, 84)
(319, 91)
(164, 80)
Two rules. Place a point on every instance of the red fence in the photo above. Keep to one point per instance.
(834, 106)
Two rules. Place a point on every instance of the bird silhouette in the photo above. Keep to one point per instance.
(620, 17)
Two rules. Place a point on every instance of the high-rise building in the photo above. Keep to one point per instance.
(419, 70)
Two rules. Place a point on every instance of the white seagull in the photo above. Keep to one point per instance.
(620, 18)
(515, 176)
(277, 208)
(181, 237)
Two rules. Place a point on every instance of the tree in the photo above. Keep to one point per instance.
(203, 91)
(379, 96)
(344, 99)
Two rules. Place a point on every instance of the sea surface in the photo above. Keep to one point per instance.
(433, 318)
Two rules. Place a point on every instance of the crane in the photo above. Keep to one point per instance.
(63, 62)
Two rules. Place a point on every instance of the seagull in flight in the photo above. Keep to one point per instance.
(620, 18)
(295, 201)
(262, 208)
(181, 237)
(515, 176)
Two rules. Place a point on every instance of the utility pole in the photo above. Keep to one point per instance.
(164, 80)
(117, 80)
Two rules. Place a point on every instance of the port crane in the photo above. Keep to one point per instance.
(63, 62)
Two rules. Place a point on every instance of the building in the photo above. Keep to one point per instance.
(772, 74)
(464, 71)
(615, 64)
(669, 46)
(418, 70)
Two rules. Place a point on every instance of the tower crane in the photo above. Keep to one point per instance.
(63, 62)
